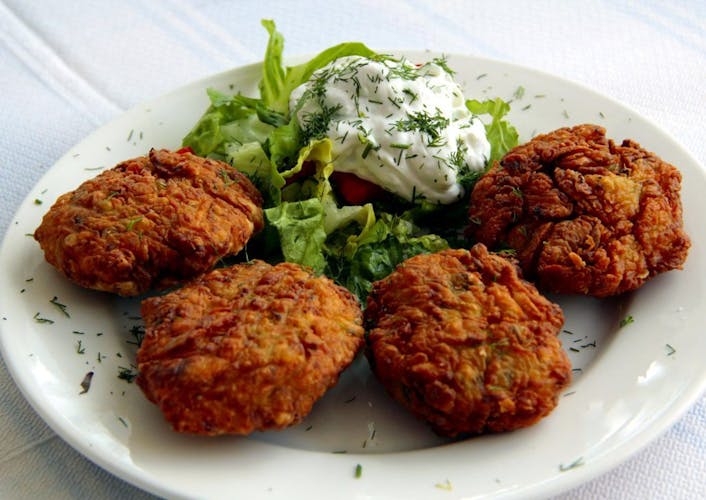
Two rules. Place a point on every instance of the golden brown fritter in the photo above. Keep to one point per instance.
(246, 348)
(584, 214)
(464, 343)
(150, 222)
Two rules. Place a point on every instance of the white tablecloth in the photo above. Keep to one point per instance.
(70, 66)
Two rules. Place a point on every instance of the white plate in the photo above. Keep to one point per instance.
(630, 383)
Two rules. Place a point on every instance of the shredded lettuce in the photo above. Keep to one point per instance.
(379, 250)
(305, 222)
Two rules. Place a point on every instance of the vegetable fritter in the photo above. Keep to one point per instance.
(459, 339)
(246, 348)
(150, 222)
(585, 215)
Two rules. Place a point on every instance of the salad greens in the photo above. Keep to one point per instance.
(305, 221)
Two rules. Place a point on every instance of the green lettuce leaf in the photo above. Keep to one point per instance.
(501, 134)
(272, 83)
(251, 159)
(300, 226)
(278, 82)
(378, 251)
(228, 119)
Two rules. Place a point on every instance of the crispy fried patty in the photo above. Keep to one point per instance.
(246, 348)
(150, 222)
(584, 214)
(464, 343)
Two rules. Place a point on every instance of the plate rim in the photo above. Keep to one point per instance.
(142, 479)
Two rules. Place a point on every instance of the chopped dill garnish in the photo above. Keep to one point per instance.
(131, 223)
(626, 320)
(442, 62)
(430, 125)
(227, 179)
(127, 374)
(519, 92)
(80, 348)
(39, 319)
(576, 463)
(60, 306)
(670, 350)
(316, 124)
(138, 333)
(358, 471)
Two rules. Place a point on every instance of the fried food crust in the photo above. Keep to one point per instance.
(584, 214)
(150, 222)
(464, 343)
(246, 348)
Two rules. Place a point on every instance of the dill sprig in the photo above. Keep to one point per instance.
(424, 123)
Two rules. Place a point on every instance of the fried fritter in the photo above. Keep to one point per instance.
(150, 222)
(464, 343)
(584, 214)
(246, 348)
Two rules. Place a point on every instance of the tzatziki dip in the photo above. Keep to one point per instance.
(401, 126)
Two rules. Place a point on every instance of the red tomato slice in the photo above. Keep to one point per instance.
(354, 190)
(308, 169)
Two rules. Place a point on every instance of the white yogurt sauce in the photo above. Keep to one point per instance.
(402, 127)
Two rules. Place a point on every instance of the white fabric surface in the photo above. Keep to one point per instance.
(69, 66)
